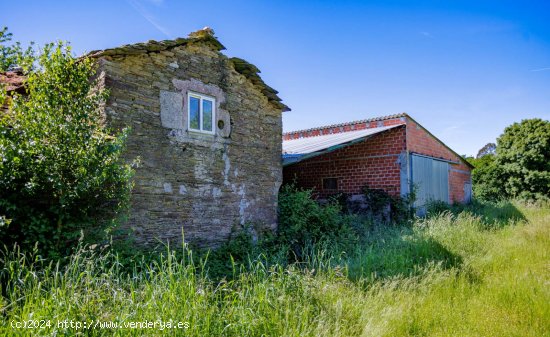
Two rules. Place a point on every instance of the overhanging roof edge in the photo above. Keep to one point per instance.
(335, 147)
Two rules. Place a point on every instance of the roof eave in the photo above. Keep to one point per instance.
(336, 147)
(441, 142)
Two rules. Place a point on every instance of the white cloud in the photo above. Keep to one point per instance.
(427, 34)
(148, 16)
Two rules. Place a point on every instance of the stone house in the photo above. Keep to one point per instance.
(207, 131)
(392, 153)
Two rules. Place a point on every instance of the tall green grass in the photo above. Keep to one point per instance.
(483, 271)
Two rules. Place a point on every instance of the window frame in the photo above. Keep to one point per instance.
(201, 98)
(335, 179)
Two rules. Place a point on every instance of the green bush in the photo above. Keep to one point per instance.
(60, 168)
(303, 221)
(520, 168)
(387, 207)
(436, 207)
(226, 261)
(523, 155)
(487, 179)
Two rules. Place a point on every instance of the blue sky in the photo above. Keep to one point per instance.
(463, 69)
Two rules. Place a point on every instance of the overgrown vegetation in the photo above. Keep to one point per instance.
(480, 269)
(13, 54)
(60, 168)
(302, 221)
(519, 166)
(474, 272)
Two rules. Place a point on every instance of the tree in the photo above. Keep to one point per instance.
(60, 167)
(486, 179)
(523, 156)
(13, 55)
(488, 149)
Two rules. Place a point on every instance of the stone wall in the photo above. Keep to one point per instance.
(198, 183)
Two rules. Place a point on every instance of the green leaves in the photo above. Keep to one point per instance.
(14, 55)
(59, 166)
(523, 154)
(521, 166)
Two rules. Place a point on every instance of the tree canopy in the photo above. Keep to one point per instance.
(519, 166)
(60, 168)
(523, 155)
(489, 148)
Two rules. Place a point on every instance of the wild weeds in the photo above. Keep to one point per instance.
(456, 273)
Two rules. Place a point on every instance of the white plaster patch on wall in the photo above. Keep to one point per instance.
(174, 65)
(243, 204)
(276, 189)
(171, 107)
(216, 192)
(167, 187)
(183, 189)
(200, 171)
(204, 191)
(226, 169)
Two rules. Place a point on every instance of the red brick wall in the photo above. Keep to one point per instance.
(372, 162)
(420, 141)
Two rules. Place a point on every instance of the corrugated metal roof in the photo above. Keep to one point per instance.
(295, 150)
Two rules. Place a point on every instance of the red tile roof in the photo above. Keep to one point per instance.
(348, 126)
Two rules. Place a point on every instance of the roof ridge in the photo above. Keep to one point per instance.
(202, 35)
(205, 36)
(368, 120)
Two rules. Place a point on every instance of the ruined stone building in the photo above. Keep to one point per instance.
(207, 131)
(208, 134)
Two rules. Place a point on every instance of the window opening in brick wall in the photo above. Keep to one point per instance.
(330, 183)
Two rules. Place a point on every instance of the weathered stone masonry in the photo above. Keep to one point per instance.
(200, 182)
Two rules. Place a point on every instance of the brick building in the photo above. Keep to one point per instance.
(391, 153)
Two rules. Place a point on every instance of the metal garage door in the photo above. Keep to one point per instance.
(431, 179)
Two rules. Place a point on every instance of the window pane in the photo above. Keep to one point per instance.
(330, 183)
(194, 115)
(207, 115)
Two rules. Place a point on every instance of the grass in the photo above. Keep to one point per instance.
(483, 271)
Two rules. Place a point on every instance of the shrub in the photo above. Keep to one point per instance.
(523, 154)
(384, 206)
(60, 168)
(520, 166)
(487, 179)
(303, 221)
(436, 207)
(222, 261)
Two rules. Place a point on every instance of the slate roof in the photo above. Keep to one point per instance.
(204, 36)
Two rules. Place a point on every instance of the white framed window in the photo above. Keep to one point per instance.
(200, 113)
